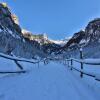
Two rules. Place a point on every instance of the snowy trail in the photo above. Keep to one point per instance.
(51, 82)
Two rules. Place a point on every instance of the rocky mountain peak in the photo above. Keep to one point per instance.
(93, 30)
(15, 19)
(90, 34)
(76, 38)
(8, 21)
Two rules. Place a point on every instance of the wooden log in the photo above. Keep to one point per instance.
(12, 72)
(71, 64)
(81, 57)
(11, 58)
(19, 65)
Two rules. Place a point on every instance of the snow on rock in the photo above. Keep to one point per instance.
(83, 41)
(0, 30)
(59, 42)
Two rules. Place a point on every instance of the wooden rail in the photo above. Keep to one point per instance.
(16, 61)
(82, 62)
(86, 61)
(12, 72)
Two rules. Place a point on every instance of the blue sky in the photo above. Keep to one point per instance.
(57, 18)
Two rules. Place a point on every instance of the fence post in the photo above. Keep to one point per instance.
(38, 63)
(81, 57)
(71, 63)
(19, 65)
(68, 63)
(65, 62)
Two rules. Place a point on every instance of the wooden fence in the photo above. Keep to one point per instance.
(81, 69)
(16, 61)
(69, 61)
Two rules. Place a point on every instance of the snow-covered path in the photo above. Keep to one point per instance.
(51, 82)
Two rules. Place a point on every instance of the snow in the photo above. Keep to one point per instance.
(0, 30)
(53, 81)
(83, 41)
(92, 61)
(97, 77)
(7, 64)
(59, 42)
(23, 40)
(88, 61)
(14, 35)
(25, 31)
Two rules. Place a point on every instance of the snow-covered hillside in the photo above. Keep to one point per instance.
(53, 81)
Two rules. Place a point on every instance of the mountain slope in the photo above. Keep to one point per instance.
(12, 40)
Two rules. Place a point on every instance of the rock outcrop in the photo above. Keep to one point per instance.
(89, 35)
(93, 30)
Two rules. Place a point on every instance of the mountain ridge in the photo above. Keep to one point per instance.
(20, 42)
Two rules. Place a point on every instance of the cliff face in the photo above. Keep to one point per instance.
(9, 30)
(93, 30)
(88, 39)
(89, 35)
(8, 22)
(76, 39)
(12, 41)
